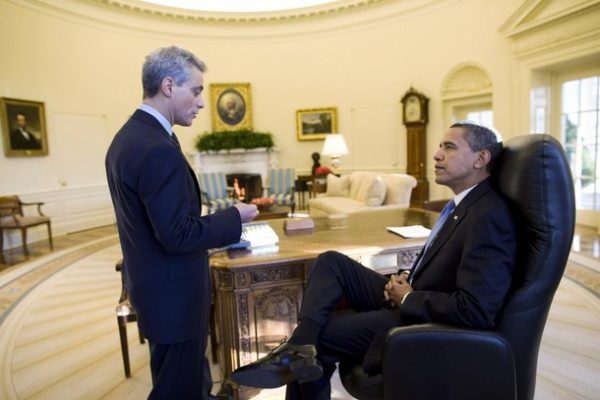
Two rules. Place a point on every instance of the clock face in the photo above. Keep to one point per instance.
(412, 110)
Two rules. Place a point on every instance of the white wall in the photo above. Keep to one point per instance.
(83, 60)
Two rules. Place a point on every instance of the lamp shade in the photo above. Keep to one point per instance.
(334, 145)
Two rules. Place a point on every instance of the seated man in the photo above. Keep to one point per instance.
(460, 278)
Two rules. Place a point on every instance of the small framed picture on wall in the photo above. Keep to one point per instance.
(231, 106)
(23, 128)
(316, 123)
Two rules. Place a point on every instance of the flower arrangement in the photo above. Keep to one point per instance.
(263, 203)
(323, 170)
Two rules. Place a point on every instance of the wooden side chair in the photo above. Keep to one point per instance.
(12, 218)
(125, 313)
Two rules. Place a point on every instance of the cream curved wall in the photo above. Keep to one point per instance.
(82, 58)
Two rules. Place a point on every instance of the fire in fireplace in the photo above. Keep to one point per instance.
(245, 186)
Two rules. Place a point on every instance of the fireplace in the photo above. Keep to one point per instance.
(246, 186)
(256, 161)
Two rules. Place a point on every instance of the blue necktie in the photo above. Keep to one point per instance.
(434, 232)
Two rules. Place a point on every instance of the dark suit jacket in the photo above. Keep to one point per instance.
(19, 142)
(467, 271)
(163, 238)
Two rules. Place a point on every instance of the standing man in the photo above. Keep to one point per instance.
(21, 138)
(163, 237)
(460, 278)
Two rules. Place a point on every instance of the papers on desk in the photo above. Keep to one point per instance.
(410, 232)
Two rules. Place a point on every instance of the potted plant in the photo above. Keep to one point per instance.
(227, 140)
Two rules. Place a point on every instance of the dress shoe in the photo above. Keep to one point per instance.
(286, 364)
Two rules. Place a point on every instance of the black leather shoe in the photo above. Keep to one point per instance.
(286, 364)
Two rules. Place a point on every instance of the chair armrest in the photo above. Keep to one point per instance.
(39, 205)
(436, 361)
(205, 198)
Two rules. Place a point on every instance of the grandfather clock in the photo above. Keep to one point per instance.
(415, 117)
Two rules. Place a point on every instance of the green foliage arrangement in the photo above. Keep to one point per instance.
(226, 140)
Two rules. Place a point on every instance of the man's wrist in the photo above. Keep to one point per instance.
(404, 297)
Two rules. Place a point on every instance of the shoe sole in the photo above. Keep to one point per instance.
(307, 370)
(302, 370)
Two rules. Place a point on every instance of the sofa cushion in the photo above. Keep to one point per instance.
(398, 188)
(375, 192)
(338, 186)
(329, 205)
(365, 187)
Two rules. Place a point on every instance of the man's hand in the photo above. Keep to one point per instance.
(247, 211)
(397, 288)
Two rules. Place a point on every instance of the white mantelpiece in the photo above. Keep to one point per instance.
(255, 161)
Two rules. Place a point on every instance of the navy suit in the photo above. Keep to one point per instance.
(462, 280)
(163, 237)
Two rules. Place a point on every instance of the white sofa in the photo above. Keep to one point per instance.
(363, 191)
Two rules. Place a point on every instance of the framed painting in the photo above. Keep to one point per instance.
(315, 123)
(23, 128)
(231, 106)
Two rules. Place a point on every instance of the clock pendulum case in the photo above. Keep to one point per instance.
(415, 117)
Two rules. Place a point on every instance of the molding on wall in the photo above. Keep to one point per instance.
(70, 209)
(228, 17)
(466, 80)
(538, 30)
(151, 19)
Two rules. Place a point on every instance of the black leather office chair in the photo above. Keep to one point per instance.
(432, 361)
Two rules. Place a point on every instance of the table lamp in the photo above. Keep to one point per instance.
(335, 147)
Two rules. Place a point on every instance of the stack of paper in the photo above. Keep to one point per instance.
(410, 232)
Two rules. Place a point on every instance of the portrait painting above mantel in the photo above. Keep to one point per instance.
(231, 106)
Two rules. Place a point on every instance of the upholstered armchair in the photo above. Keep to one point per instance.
(215, 193)
(432, 361)
(281, 186)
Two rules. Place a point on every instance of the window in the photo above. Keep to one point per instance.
(478, 112)
(484, 117)
(579, 127)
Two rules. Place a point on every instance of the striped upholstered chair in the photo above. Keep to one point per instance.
(281, 186)
(215, 191)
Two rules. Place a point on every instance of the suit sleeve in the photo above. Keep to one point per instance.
(483, 276)
(173, 206)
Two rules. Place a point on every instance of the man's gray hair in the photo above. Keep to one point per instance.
(168, 61)
(480, 137)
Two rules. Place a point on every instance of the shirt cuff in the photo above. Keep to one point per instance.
(404, 297)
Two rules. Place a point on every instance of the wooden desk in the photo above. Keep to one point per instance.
(258, 296)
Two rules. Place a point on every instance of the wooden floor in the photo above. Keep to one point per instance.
(59, 340)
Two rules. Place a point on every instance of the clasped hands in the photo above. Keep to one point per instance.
(397, 287)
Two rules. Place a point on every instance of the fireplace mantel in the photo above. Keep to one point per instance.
(257, 161)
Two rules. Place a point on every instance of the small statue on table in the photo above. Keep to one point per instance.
(316, 164)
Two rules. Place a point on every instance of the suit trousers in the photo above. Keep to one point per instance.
(180, 370)
(346, 333)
